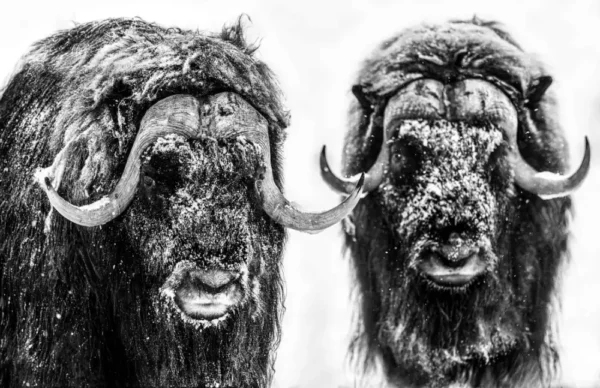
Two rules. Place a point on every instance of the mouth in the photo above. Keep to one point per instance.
(453, 270)
(204, 295)
(209, 294)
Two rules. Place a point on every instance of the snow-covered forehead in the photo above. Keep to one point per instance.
(461, 143)
(451, 185)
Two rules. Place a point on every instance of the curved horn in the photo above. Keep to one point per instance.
(253, 126)
(545, 184)
(501, 111)
(186, 116)
(373, 177)
(176, 114)
(279, 208)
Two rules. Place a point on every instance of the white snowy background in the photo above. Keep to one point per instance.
(314, 47)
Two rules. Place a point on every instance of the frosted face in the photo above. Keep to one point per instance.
(200, 231)
(206, 259)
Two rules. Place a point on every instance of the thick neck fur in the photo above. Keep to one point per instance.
(418, 333)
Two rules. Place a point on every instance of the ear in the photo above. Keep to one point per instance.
(537, 91)
(365, 104)
(348, 226)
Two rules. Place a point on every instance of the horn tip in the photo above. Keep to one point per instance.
(587, 145)
(358, 190)
(323, 157)
(323, 160)
(586, 155)
(574, 181)
(361, 180)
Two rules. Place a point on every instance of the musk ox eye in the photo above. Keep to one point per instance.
(118, 106)
(404, 158)
(164, 167)
(499, 168)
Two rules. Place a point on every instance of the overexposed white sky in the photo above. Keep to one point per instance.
(315, 47)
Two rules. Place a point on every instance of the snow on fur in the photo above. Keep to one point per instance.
(83, 306)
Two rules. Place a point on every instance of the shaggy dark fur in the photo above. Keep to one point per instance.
(80, 306)
(499, 331)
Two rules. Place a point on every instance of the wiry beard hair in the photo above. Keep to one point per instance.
(416, 330)
(437, 336)
(170, 352)
(208, 222)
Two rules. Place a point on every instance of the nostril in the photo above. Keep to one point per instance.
(455, 233)
(148, 182)
(456, 247)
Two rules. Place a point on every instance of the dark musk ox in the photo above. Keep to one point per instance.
(458, 245)
(142, 222)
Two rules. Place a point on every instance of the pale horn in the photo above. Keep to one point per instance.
(467, 102)
(186, 116)
(545, 184)
(373, 177)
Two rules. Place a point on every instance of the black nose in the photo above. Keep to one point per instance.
(212, 280)
(451, 261)
(455, 231)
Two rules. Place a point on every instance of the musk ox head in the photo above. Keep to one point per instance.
(147, 250)
(457, 246)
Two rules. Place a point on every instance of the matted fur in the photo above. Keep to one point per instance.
(74, 304)
(531, 242)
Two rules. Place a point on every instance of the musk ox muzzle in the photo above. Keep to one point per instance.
(204, 296)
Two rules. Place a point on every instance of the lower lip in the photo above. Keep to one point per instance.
(453, 280)
(435, 270)
(203, 310)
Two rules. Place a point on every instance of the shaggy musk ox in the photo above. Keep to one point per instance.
(459, 243)
(142, 222)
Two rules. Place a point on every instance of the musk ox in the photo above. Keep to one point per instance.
(142, 221)
(458, 245)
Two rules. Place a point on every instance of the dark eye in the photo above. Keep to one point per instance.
(404, 159)
(499, 167)
(164, 168)
(115, 101)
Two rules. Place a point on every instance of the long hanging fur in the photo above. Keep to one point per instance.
(70, 296)
(536, 239)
